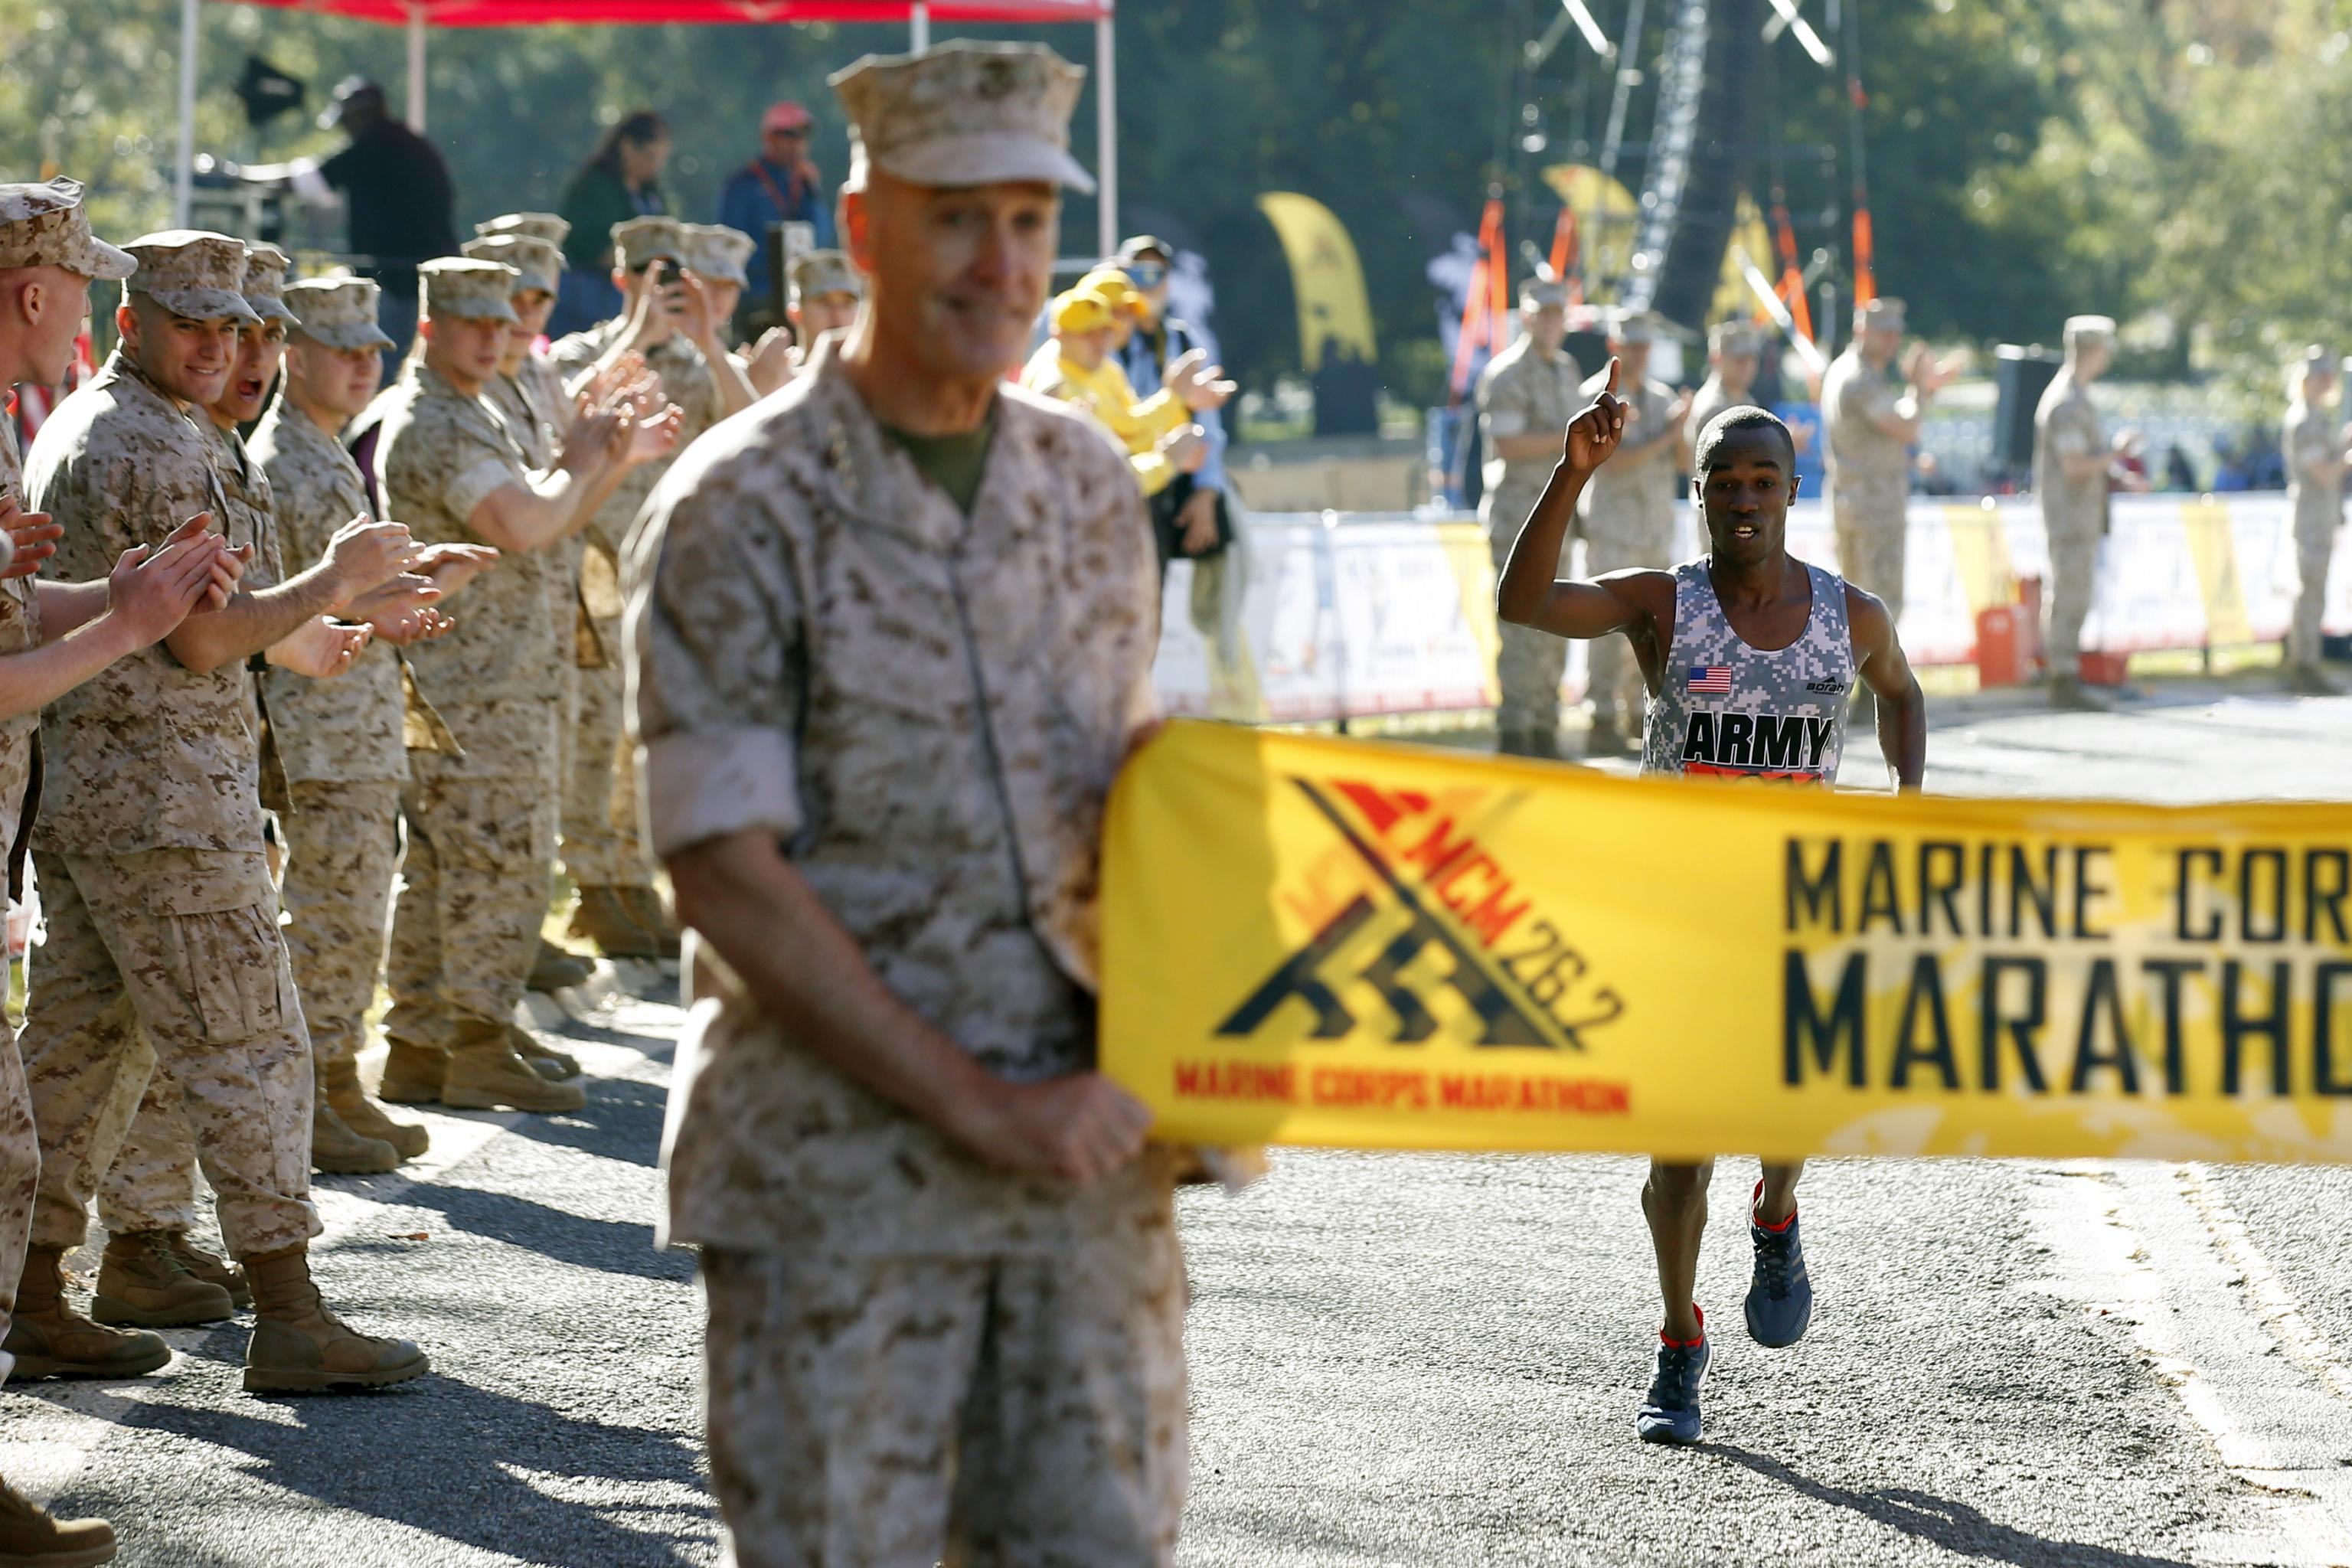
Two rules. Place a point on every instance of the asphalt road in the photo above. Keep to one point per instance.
(1396, 1360)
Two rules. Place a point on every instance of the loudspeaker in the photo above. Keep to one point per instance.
(2020, 375)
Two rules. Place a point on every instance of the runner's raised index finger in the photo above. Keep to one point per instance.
(1615, 374)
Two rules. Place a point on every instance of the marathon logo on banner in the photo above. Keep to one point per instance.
(1315, 940)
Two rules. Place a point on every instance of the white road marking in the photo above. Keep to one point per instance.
(2157, 1247)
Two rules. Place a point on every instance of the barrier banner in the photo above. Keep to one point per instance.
(1317, 940)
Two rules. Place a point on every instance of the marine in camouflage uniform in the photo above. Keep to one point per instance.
(1627, 515)
(1734, 351)
(1527, 393)
(2315, 446)
(158, 887)
(529, 395)
(912, 1355)
(481, 823)
(41, 225)
(343, 744)
(2069, 434)
(1870, 422)
(618, 908)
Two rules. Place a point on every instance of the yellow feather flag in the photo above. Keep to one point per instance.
(1324, 274)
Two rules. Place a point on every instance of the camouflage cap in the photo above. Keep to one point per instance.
(1636, 327)
(1882, 314)
(963, 114)
(531, 225)
(2089, 329)
(192, 272)
(642, 240)
(816, 272)
(338, 312)
(540, 263)
(265, 283)
(1735, 340)
(47, 225)
(1539, 293)
(462, 289)
(717, 252)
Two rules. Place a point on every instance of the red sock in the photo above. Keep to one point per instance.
(1757, 1202)
(1688, 1345)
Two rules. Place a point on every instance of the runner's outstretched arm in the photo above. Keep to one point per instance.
(1902, 707)
(1528, 595)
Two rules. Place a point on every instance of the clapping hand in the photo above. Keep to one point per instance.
(31, 537)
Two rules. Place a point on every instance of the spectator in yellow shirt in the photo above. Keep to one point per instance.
(1075, 365)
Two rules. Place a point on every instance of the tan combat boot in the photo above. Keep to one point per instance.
(556, 968)
(544, 1058)
(484, 1074)
(300, 1347)
(610, 918)
(646, 903)
(337, 1151)
(210, 1267)
(142, 1284)
(31, 1537)
(339, 1086)
(412, 1074)
(49, 1339)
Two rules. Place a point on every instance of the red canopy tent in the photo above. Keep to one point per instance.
(916, 15)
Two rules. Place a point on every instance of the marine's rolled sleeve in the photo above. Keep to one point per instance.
(713, 638)
(477, 482)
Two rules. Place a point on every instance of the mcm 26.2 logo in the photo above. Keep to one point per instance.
(1427, 935)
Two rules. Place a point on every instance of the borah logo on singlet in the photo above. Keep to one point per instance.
(1786, 746)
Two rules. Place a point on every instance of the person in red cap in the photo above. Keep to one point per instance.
(780, 185)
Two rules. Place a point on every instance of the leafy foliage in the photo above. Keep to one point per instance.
(2028, 159)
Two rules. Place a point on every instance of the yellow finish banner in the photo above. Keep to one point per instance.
(1325, 941)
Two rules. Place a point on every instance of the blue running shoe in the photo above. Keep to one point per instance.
(1670, 1415)
(1780, 1292)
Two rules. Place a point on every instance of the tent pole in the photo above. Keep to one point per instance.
(1107, 132)
(184, 183)
(416, 65)
(918, 26)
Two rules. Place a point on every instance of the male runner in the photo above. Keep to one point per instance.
(1748, 629)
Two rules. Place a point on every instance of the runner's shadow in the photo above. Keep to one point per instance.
(1954, 1526)
(500, 1474)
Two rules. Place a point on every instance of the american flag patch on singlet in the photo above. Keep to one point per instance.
(1711, 678)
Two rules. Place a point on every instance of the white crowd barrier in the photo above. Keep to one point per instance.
(1353, 614)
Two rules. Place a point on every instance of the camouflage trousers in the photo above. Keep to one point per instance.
(342, 851)
(1528, 664)
(601, 848)
(1871, 539)
(20, 1175)
(142, 988)
(2314, 546)
(341, 841)
(2073, 571)
(473, 897)
(1614, 687)
(896, 1413)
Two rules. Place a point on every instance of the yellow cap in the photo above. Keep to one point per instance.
(1080, 312)
(1111, 286)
